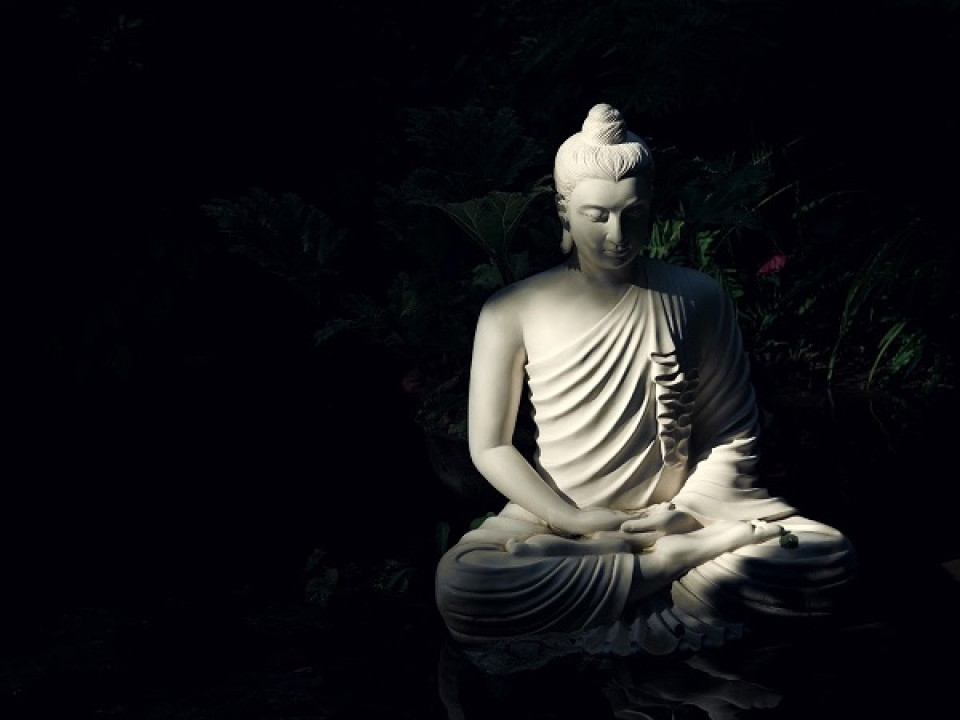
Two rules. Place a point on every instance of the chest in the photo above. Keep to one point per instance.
(562, 321)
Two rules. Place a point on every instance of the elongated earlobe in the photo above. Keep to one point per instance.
(566, 241)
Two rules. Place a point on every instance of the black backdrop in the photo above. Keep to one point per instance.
(171, 421)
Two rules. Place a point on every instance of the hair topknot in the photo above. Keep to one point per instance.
(604, 125)
(604, 148)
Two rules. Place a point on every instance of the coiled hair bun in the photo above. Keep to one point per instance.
(604, 126)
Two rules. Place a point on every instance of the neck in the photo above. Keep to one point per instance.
(613, 278)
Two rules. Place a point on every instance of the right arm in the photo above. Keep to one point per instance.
(496, 384)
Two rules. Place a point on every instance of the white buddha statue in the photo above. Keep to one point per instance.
(640, 524)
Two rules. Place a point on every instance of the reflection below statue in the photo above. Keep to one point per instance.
(636, 687)
(639, 692)
(640, 524)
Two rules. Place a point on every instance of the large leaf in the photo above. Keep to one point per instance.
(492, 219)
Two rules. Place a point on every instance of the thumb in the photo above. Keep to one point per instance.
(643, 540)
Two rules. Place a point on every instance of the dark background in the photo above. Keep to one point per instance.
(169, 406)
(172, 415)
(167, 394)
(171, 427)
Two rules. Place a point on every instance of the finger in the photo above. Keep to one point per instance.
(651, 511)
(630, 542)
(763, 530)
(641, 525)
(643, 540)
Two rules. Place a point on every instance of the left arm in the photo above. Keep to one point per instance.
(723, 480)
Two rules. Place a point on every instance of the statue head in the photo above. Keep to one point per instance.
(603, 149)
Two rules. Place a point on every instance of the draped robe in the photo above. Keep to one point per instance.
(652, 404)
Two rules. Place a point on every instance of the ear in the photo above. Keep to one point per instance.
(566, 239)
(562, 211)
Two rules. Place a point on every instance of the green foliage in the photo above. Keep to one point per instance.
(394, 577)
(850, 301)
(859, 273)
(492, 221)
(279, 232)
(709, 212)
(284, 235)
(105, 44)
(459, 251)
(442, 535)
(857, 301)
(327, 584)
(322, 579)
(653, 57)
(464, 153)
(886, 307)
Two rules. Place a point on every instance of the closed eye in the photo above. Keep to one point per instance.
(594, 215)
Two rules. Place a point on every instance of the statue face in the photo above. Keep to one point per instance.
(608, 221)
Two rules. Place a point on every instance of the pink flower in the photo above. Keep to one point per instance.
(773, 265)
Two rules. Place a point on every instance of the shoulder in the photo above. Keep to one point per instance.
(516, 300)
(709, 309)
(506, 315)
(694, 286)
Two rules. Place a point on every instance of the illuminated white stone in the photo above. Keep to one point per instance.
(642, 524)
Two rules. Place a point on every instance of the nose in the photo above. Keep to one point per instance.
(614, 230)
